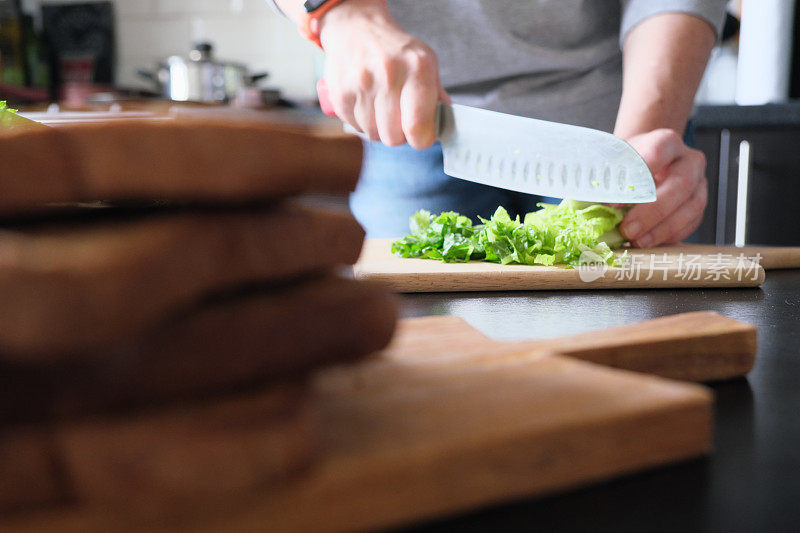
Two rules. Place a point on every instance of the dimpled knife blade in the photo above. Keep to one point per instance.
(540, 157)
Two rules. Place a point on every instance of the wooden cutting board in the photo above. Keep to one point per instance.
(446, 420)
(684, 266)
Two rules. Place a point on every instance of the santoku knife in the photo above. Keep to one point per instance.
(540, 157)
(536, 156)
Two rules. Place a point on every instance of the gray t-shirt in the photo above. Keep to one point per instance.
(556, 60)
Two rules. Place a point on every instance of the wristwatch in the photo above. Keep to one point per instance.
(315, 10)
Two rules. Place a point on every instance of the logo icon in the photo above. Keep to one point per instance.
(591, 266)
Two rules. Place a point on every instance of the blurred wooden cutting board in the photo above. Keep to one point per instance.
(684, 266)
(446, 420)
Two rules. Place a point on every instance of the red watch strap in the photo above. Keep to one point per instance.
(309, 28)
(309, 24)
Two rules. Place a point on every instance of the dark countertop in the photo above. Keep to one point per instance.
(752, 480)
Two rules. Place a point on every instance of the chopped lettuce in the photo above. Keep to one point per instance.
(571, 233)
(448, 237)
(5, 113)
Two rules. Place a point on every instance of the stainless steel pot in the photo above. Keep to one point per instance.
(200, 77)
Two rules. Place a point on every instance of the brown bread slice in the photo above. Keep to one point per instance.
(154, 462)
(76, 291)
(232, 344)
(207, 161)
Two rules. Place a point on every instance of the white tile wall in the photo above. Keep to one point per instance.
(242, 30)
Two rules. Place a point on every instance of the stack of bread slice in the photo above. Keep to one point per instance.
(163, 299)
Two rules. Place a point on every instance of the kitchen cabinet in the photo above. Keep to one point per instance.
(753, 157)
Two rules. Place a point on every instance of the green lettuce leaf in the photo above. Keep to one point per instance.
(571, 233)
(5, 113)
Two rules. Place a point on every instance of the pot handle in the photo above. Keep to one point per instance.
(253, 78)
(146, 74)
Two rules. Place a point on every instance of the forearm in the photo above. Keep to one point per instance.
(663, 62)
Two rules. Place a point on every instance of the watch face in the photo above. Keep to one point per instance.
(312, 5)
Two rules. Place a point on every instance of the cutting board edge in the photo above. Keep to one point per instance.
(476, 282)
(429, 276)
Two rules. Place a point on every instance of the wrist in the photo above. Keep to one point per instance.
(351, 14)
(647, 117)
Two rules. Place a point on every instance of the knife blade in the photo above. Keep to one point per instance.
(540, 157)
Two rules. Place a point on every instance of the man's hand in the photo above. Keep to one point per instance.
(681, 188)
(381, 80)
